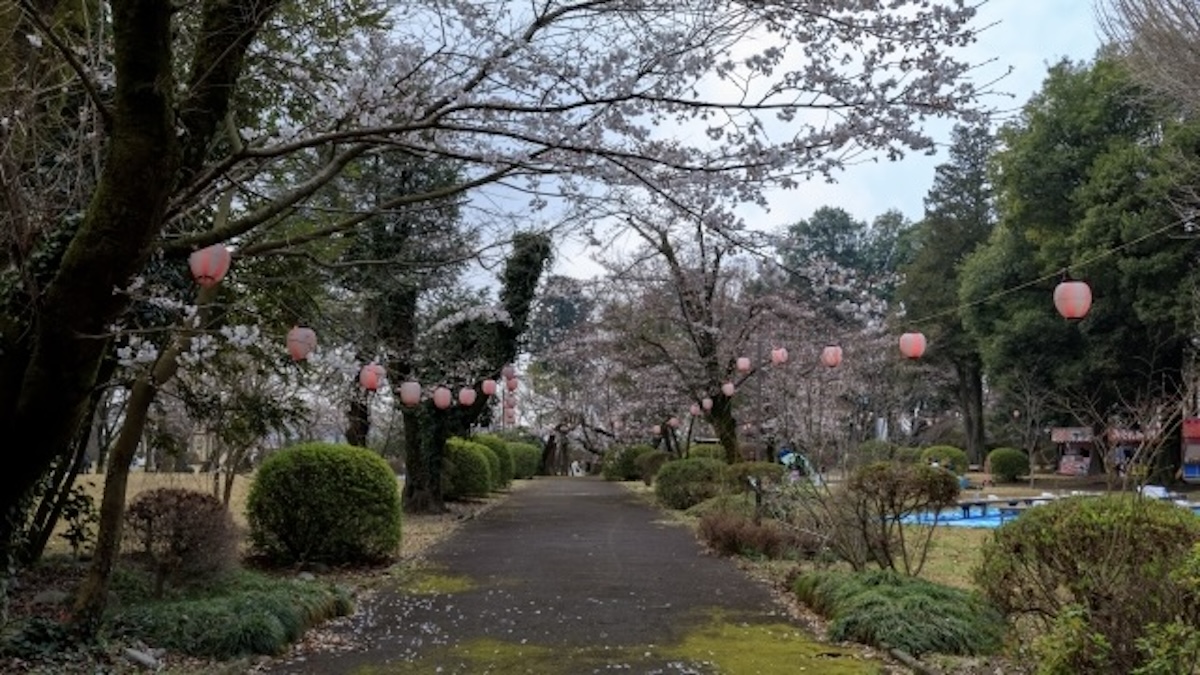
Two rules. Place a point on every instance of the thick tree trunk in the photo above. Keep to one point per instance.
(970, 398)
(424, 436)
(110, 246)
(721, 417)
(358, 421)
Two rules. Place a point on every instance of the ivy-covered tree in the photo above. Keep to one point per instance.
(463, 349)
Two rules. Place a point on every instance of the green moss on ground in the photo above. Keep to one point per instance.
(718, 646)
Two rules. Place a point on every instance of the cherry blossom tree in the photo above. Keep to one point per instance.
(172, 109)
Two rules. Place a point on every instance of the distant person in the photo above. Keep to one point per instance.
(576, 468)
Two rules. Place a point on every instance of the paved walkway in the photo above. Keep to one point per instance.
(576, 575)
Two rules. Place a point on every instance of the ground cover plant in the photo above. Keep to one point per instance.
(890, 610)
(247, 613)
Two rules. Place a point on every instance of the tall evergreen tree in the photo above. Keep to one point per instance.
(1085, 184)
(959, 215)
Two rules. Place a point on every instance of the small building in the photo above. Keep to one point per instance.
(1075, 446)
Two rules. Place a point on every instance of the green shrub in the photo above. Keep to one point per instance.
(181, 535)
(620, 462)
(873, 451)
(648, 464)
(890, 610)
(324, 502)
(1007, 464)
(710, 450)
(508, 466)
(495, 482)
(737, 476)
(738, 504)
(906, 455)
(248, 614)
(527, 459)
(683, 483)
(1095, 572)
(467, 471)
(947, 457)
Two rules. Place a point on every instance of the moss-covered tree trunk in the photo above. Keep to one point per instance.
(425, 433)
(153, 147)
(110, 246)
(426, 429)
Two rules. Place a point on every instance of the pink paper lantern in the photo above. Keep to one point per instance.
(510, 401)
(442, 398)
(912, 345)
(512, 383)
(779, 355)
(694, 410)
(370, 376)
(410, 393)
(210, 264)
(489, 387)
(510, 416)
(706, 403)
(674, 422)
(656, 430)
(508, 371)
(728, 389)
(466, 396)
(743, 364)
(831, 356)
(1073, 299)
(301, 341)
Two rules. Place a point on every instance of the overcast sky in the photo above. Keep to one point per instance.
(1027, 35)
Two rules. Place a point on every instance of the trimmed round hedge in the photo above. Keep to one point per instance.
(504, 453)
(737, 476)
(684, 483)
(324, 502)
(495, 482)
(527, 459)
(947, 457)
(1007, 464)
(648, 464)
(468, 470)
(709, 450)
(620, 462)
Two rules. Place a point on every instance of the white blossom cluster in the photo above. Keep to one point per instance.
(340, 361)
(241, 336)
(137, 351)
(484, 313)
(201, 348)
(742, 96)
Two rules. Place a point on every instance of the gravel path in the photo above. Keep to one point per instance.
(573, 575)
